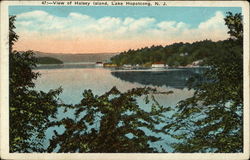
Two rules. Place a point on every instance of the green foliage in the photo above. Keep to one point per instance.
(13, 37)
(29, 109)
(48, 60)
(102, 124)
(174, 55)
(235, 26)
(212, 120)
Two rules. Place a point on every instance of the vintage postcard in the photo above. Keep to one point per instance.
(124, 80)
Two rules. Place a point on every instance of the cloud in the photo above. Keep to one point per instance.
(214, 22)
(33, 15)
(213, 28)
(172, 25)
(39, 26)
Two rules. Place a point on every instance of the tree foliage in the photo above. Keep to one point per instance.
(111, 123)
(177, 54)
(212, 120)
(13, 37)
(29, 109)
(235, 26)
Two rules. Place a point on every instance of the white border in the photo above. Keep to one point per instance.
(4, 92)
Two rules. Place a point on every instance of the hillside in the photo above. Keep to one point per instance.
(48, 60)
(76, 58)
(177, 54)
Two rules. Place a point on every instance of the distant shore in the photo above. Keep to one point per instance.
(92, 65)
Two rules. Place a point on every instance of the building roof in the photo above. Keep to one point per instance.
(158, 63)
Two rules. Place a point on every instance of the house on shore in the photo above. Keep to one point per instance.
(127, 65)
(197, 63)
(99, 64)
(109, 65)
(158, 65)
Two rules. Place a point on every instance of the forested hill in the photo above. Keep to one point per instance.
(48, 60)
(177, 54)
(76, 58)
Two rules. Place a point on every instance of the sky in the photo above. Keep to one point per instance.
(100, 29)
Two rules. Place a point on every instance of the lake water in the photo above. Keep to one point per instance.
(75, 79)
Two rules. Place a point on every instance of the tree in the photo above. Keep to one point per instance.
(13, 37)
(172, 54)
(112, 122)
(235, 26)
(30, 110)
(212, 120)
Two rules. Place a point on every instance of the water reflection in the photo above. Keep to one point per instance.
(176, 78)
(66, 66)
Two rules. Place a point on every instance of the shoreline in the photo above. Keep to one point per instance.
(114, 69)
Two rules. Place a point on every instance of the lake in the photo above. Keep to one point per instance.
(75, 78)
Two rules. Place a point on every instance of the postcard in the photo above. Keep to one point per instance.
(124, 80)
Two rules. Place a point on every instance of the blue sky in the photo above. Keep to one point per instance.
(93, 29)
(191, 15)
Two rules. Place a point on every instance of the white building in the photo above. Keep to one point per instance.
(184, 54)
(158, 65)
(99, 64)
(197, 63)
(127, 66)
